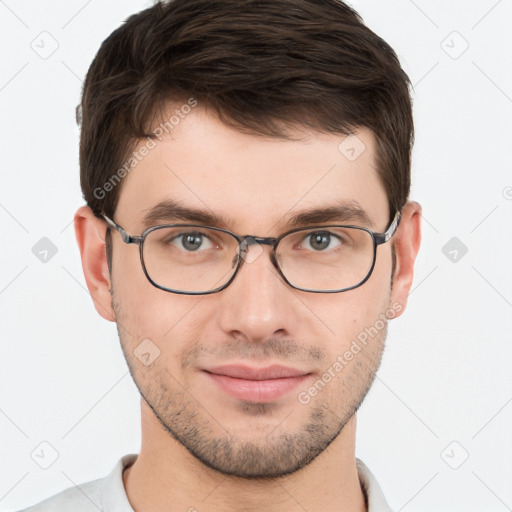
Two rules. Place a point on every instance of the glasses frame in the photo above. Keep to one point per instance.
(246, 240)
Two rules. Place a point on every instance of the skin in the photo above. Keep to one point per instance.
(201, 448)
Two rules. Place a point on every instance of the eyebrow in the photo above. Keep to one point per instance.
(170, 211)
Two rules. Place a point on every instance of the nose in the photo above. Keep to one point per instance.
(258, 304)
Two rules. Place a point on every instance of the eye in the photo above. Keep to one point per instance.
(321, 240)
(191, 241)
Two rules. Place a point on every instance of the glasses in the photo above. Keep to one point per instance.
(193, 259)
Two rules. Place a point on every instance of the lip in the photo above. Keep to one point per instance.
(258, 385)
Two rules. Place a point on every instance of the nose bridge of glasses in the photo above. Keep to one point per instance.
(252, 240)
(248, 240)
(257, 241)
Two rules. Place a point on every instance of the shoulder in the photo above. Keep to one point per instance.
(376, 502)
(102, 494)
(82, 498)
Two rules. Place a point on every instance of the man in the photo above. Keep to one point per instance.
(246, 168)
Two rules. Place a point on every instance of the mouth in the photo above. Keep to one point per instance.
(257, 385)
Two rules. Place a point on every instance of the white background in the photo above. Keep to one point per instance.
(445, 375)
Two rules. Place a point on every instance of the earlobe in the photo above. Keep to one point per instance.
(90, 236)
(407, 244)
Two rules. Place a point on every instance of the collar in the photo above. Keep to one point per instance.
(114, 499)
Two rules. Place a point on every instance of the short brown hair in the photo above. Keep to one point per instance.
(260, 65)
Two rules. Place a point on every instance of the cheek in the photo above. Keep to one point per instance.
(128, 278)
(340, 318)
(381, 275)
(167, 320)
(144, 309)
(149, 319)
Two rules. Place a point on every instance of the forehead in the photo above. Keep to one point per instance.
(253, 181)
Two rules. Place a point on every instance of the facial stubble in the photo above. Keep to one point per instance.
(291, 445)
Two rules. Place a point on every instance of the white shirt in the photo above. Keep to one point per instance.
(108, 495)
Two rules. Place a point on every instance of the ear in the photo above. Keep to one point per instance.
(407, 243)
(90, 236)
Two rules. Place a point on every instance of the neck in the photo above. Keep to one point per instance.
(166, 477)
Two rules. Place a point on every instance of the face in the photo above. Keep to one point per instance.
(257, 379)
